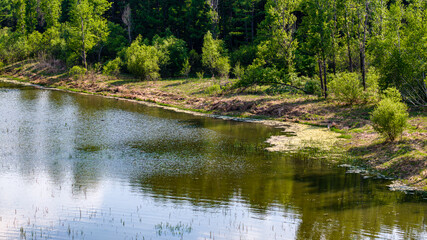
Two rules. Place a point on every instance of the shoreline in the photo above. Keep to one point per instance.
(346, 128)
(294, 134)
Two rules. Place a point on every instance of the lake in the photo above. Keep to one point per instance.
(86, 167)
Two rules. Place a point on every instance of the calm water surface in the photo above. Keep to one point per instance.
(85, 167)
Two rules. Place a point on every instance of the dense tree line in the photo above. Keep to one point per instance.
(310, 45)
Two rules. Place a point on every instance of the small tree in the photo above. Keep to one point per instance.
(347, 87)
(142, 60)
(213, 56)
(186, 68)
(389, 117)
(173, 54)
(88, 26)
(112, 67)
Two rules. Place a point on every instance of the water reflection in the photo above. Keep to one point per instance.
(79, 167)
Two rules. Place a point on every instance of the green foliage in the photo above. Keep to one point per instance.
(278, 43)
(400, 51)
(77, 71)
(214, 89)
(172, 55)
(35, 42)
(115, 41)
(347, 87)
(238, 70)
(14, 46)
(213, 56)
(393, 94)
(222, 66)
(372, 88)
(51, 10)
(87, 27)
(200, 75)
(186, 68)
(5, 10)
(312, 86)
(258, 74)
(275, 40)
(142, 60)
(1, 66)
(244, 55)
(112, 67)
(389, 118)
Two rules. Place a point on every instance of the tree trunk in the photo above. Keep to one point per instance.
(350, 60)
(363, 49)
(321, 76)
(325, 84)
(100, 53)
(129, 34)
(83, 44)
(333, 40)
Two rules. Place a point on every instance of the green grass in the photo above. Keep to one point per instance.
(333, 129)
(345, 136)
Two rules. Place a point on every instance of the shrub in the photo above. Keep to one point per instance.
(112, 67)
(186, 68)
(172, 53)
(142, 60)
(372, 88)
(1, 66)
(14, 46)
(214, 89)
(389, 118)
(238, 70)
(213, 56)
(244, 55)
(258, 74)
(77, 71)
(347, 87)
(393, 94)
(35, 43)
(312, 86)
(222, 66)
(200, 75)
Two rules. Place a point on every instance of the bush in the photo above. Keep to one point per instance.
(245, 55)
(200, 75)
(258, 74)
(14, 46)
(238, 70)
(112, 67)
(142, 60)
(389, 118)
(222, 66)
(347, 87)
(312, 86)
(1, 66)
(35, 43)
(214, 89)
(186, 68)
(77, 71)
(214, 56)
(393, 94)
(372, 88)
(173, 55)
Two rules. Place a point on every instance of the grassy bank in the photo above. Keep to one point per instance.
(404, 159)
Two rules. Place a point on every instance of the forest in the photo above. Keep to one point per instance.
(351, 48)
